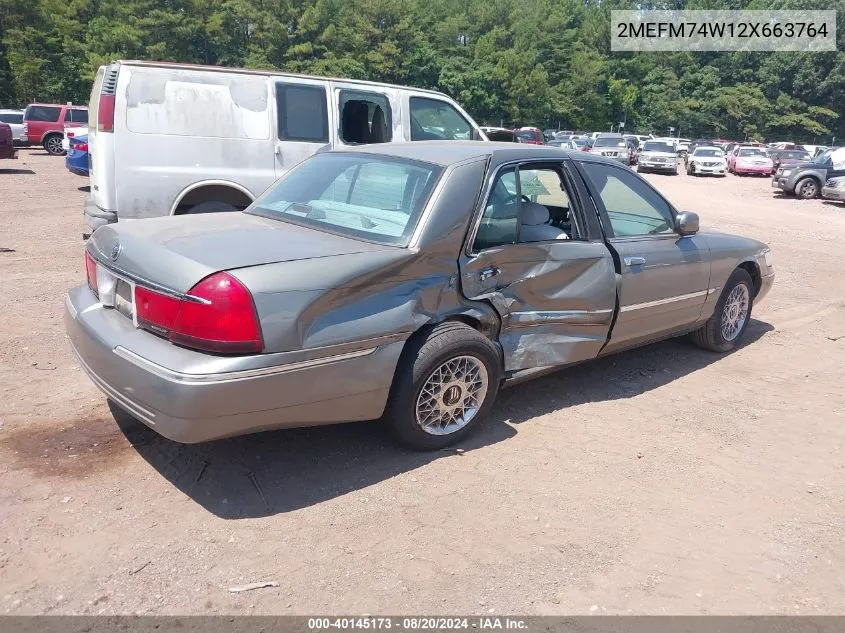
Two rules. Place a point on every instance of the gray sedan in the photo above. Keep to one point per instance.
(406, 282)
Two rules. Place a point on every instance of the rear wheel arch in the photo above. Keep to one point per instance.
(227, 194)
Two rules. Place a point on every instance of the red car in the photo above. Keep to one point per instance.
(530, 135)
(7, 146)
(44, 123)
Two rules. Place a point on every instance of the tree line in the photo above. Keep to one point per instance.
(512, 62)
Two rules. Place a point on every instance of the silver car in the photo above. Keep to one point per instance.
(612, 146)
(406, 282)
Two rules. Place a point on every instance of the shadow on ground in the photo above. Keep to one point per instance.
(276, 472)
(16, 171)
(85, 189)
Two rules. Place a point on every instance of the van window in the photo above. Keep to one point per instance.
(435, 120)
(186, 102)
(365, 118)
(302, 113)
(77, 116)
(49, 114)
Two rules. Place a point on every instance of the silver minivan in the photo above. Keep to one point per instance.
(168, 139)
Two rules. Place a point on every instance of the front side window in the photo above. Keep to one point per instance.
(365, 118)
(633, 207)
(302, 113)
(432, 120)
(357, 195)
(48, 114)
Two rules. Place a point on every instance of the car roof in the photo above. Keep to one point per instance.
(446, 153)
(59, 105)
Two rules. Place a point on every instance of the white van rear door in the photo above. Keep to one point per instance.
(304, 121)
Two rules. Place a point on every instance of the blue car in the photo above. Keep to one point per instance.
(76, 159)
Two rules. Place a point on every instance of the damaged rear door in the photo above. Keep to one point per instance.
(552, 283)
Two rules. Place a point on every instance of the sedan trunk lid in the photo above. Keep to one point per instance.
(178, 252)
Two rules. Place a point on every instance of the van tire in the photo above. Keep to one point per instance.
(807, 188)
(52, 144)
(212, 206)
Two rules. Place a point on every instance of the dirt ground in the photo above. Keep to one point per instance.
(664, 480)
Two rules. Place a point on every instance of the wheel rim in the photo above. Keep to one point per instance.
(54, 144)
(452, 395)
(735, 312)
(808, 189)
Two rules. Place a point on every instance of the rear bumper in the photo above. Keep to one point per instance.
(833, 193)
(95, 216)
(210, 397)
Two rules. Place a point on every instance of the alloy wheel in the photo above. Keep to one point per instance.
(452, 395)
(735, 312)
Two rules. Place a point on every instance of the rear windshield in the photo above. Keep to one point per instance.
(49, 114)
(657, 146)
(798, 155)
(11, 117)
(378, 199)
(526, 134)
(610, 142)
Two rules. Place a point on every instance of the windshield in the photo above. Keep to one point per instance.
(752, 151)
(610, 142)
(658, 146)
(795, 155)
(358, 195)
(708, 151)
(528, 135)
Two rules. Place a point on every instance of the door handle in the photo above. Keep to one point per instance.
(634, 261)
(487, 273)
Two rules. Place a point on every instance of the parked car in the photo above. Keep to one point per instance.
(788, 157)
(70, 132)
(500, 134)
(562, 143)
(745, 159)
(658, 155)
(633, 152)
(683, 145)
(699, 142)
(44, 124)
(612, 146)
(549, 133)
(14, 119)
(7, 142)
(531, 135)
(583, 144)
(706, 160)
(834, 189)
(805, 180)
(246, 128)
(77, 156)
(222, 325)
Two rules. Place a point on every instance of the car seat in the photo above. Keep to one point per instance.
(534, 226)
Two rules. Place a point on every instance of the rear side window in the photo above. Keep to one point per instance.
(49, 114)
(302, 113)
(11, 117)
(432, 120)
(77, 116)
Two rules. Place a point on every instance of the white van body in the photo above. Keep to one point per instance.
(192, 139)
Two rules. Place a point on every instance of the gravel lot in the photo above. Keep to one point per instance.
(664, 480)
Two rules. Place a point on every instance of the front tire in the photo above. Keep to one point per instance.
(445, 384)
(724, 329)
(807, 188)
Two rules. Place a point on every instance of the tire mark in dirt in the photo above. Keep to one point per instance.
(76, 449)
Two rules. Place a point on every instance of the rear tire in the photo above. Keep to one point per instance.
(53, 145)
(725, 328)
(445, 384)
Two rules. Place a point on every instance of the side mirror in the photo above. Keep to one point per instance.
(686, 223)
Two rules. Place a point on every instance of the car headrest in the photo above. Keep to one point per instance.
(533, 214)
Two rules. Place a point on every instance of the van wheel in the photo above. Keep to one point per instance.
(212, 206)
(53, 145)
(445, 384)
(725, 328)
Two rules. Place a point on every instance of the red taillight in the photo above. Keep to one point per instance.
(82, 147)
(91, 273)
(105, 113)
(221, 318)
